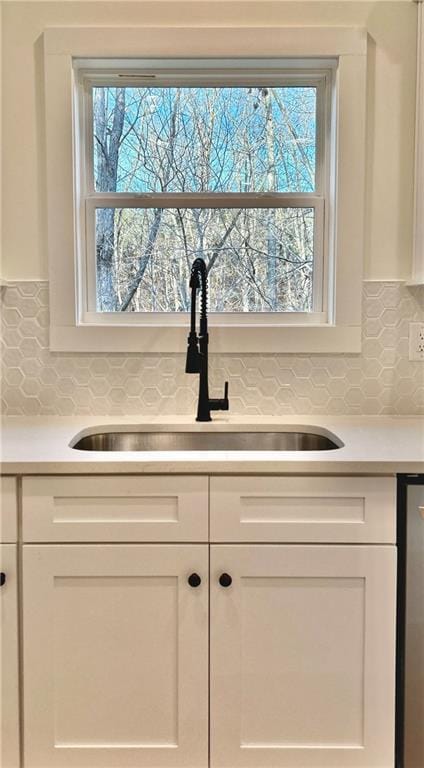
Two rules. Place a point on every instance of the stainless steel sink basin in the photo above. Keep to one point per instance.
(206, 441)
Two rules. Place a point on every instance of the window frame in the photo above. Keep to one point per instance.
(75, 330)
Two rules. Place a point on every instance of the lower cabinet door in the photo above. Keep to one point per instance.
(115, 656)
(302, 656)
(9, 676)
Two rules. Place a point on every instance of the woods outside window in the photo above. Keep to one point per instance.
(188, 159)
(250, 159)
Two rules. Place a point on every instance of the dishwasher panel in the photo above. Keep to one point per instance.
(414, 635)
(410, 678)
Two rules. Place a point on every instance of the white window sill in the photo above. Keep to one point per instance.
(231, 340)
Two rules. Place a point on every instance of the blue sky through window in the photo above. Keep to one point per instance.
(203, 139)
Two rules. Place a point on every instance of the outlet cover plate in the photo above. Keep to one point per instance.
(416, 341)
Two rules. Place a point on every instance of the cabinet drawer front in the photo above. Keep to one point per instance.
(303, 509)
(115, 509)
(9, 510)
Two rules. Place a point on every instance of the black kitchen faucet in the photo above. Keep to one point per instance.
(197, 350)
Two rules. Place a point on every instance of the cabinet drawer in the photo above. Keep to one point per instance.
(303, 509)
(115, 509)
(9, 510)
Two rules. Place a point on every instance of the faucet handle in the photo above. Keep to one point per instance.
(220, 404)
(225, 402)
(226, 392)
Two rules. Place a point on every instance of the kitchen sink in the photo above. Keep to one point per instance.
(207, 441)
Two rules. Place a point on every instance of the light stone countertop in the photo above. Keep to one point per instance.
(372, 445)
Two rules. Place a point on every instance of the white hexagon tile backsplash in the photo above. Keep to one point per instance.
(381, 380)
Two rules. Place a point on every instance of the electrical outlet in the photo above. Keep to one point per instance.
(416, 341)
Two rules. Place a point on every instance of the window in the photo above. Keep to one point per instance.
(205, 161)
(253, 162)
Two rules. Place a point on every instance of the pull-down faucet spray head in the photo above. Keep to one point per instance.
(193, 357)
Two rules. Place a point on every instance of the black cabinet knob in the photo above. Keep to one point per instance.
(2, 579)
(225, 580)
(194, 580)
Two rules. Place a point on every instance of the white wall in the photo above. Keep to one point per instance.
(391, 102)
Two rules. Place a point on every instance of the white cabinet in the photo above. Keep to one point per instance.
(9, 731)
(291, 665)
(115, 656)
(302, 656)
